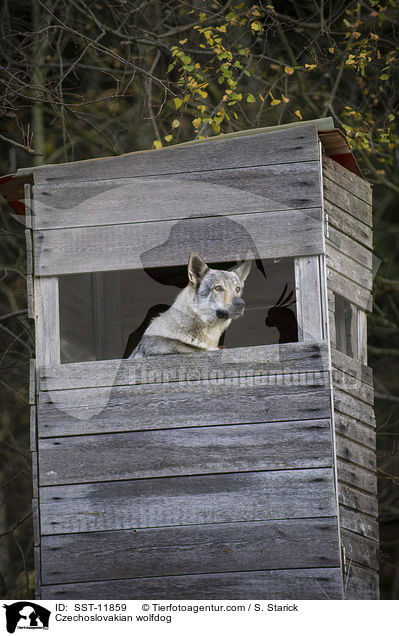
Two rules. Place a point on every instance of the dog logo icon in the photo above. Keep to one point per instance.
(26, 615)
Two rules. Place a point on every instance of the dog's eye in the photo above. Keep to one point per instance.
(238, 289)
(218, 288)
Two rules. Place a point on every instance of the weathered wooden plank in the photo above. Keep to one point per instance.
(276, 147)
(361, 583)
(350, 290)
(188, 451)
(172, 501)
(354, 386)
(359, 549)
(29, 252)
(356, 453)
(32, 382)
(349, 405)
(36, 522)
(37, 560)
(260, 189)
(351, 366)
(340, 220)
(177, 404)
(346, 179)
(347, 201)
(308, 298)
(346, 266)
(166, 243)
(332, 329)
(32, 428)
(360, 523)
(348, 246)
(224, 363)
(47, 321)
(35, 473)
(362, 336)
(30, 296)
(357, 431)
(357, 477)
(314, 583)
(227, 547)
(357, 500)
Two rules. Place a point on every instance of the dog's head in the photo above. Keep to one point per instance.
(217, 292)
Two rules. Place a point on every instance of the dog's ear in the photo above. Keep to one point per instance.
(242, 270)
(197, 268)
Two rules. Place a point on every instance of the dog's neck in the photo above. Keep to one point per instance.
(191, 329)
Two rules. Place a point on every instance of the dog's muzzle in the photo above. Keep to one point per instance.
(235, 310)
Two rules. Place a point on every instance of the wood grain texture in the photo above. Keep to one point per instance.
(356, 454)
(160, 198)
(32, 428)
(361, 583)
(351, 366)
(182, 404)
(350, 405)
(360, 523)
(359, 549)
(172, 501)
(348, 267)
(348, 246)
(354, 386)
(347, 288)
(236, 362)
(192, 451)
(314, 583)
(36, 522)
(261, 149)
(357, 500)
(357, 477)
(47, 323)
(166, 243)
(223, 547)
(308, 298)
(37, 563)
(357, 431)
(347, 201)
(347, 224)
(344, 178)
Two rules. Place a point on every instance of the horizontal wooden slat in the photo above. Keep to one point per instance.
(360, 550)
(357, 477)
(171, 501)
(346, 223)
(357, 500)
(263, 189)
(348, 267)
(217, 239)
(222, 547)
(358, 522)
(237, 362)
(344, 178)
(361, 583)
(350, 290)
(355, 453)
(349, 405)
(351, 366)
(351, 428)
(314, 583)
(348, 246)
(176, 404)
(354, 386)
(191, 451)
(275, 147)
(347, 201)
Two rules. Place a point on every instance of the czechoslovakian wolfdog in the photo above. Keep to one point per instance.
(200, 314)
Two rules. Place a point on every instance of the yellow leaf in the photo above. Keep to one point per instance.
(251, 98)
(331, 50)
(183, 41)
(310, 67)
(391, 117)
(197, 122)
(168, 137)
(256, 26)
(298, 114)
(274, 102)
(202, 16)
(157, 144)
(175, 123)
(178, 102)
(222, 28)
(289, 70)
(262, 99)
(285, 99)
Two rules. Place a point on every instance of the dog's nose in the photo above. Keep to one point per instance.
(238, 302)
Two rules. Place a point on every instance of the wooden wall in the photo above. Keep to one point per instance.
(349, 277)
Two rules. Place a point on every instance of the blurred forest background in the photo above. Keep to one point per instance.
(91, 78)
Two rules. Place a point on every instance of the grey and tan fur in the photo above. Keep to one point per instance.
(200, 314)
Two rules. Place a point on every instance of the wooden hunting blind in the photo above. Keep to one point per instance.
(247, 472)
